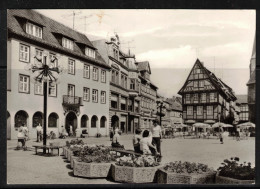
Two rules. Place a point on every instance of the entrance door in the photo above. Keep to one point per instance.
(114, 122)
(71, 120)
(122, 127)
(8, 126)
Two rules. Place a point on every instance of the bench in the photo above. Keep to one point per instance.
(127, 152)
(47, 147)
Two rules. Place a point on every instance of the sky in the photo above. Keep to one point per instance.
(172, 40)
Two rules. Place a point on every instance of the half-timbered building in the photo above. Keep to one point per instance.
(205, 98)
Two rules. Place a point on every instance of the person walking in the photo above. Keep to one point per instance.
(21, 138)
(38, 130)
(221, 135)
(157, 135)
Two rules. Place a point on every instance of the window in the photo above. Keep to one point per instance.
(196, 98)
(187, 98)
(94, 121)
(38, 54)
(103, 76)
(33, 30)
(130, 105)
(189, 110)
(90, 52)
(67, 43)
(53, 60)
(52, 90)
(132, 84)
(103, 97)
(199, 110)
(212, 97)
(95, 74)
(113, 76)
(86, 71)
(52, 120)
(24, 53)
(203, 97)
(201, 84)
(197, 71)
(114, 101)
(195, 83)
(125, 82)
(122, 80)
(94, 95)
(103, 122)
(38, 88)
(71, 68)
(24, 82)
(123, 103)
(71, 90)
(86, 94)
(209, 110)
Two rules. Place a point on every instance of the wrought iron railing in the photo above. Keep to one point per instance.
(72, 100)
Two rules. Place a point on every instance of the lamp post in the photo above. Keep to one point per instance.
(44, 73)
(161, 106)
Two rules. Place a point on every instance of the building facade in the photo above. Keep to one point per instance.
(243, 107)
(205, 98)
(148, 93)
(251, 85)
(81, 99)
(175, 110)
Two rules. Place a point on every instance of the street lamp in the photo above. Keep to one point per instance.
(46, 73)
(161, 106)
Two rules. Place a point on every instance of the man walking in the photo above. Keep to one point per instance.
(221, 134)
(38, 130)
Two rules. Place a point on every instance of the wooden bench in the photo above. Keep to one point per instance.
(47, 147)
(127, 152)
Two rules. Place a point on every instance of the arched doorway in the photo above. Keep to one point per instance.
(114, 122)
(94, 121)
(53, 120)
(37, 119)
(8, 122)
(84, 121)
(103, 122)
(71, 120)
(20, 118)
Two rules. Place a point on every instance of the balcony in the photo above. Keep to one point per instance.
(72, 100)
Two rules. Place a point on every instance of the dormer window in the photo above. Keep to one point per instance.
(33, 30)
(90, 52)
(67, 43)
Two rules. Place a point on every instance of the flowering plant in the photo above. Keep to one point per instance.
(76, 149)
(73, 142)
(186, 167)
(132, 161)
(96, 153)
(232, 169)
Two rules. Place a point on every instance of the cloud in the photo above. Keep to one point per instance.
(140, 32)
(183, 56)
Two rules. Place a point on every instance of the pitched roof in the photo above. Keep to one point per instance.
(174, 104)
(218, 83)
(252, 78)
(51, 29)
(143, 66)
(241, 99)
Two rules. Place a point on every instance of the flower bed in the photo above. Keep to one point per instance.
(135, 169)
(185, 173)
(232, 172)
(93, 162)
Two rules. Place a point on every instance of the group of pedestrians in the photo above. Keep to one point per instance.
(148, 142)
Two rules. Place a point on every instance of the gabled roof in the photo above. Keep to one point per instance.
(252, 78)
(216, 82)
(144, 66)
(174, 104)
(51, 28)
(241, 99)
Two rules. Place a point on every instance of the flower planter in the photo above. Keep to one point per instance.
(64, 148)
(227, 180)
(69, 153)
(164, 177)
(133, 174)
(72, 160)
(91, 170)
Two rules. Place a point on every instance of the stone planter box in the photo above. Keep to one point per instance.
(69, 153)
(72, 160)
(164, 177)
(133, 174)
(91, 170)
(227, 180)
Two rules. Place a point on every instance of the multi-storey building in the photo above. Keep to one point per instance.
(81, 99)
(124, 85)
(243, 106)
(148, 93)
(205, 98)
(251, 85)
(176, 110)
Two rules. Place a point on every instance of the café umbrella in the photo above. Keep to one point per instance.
(247, 124)
(216, 125)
